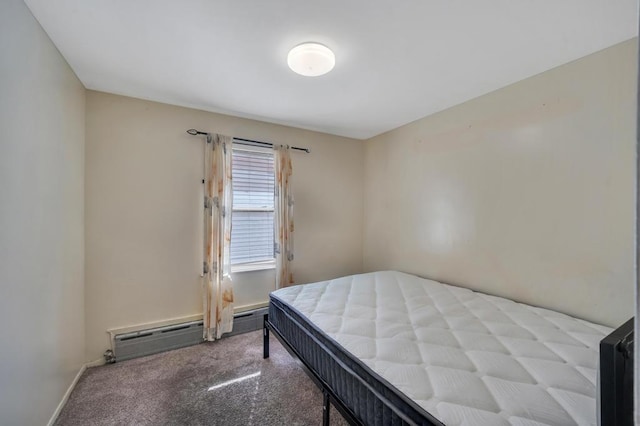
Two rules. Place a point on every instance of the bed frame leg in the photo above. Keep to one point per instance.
(326, 405)
(265, 337)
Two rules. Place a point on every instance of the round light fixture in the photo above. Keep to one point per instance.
(311, 59)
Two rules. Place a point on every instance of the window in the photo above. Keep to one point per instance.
(252, 218)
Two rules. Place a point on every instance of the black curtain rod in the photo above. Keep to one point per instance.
(242, 141)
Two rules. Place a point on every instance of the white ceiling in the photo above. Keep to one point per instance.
(396, 61)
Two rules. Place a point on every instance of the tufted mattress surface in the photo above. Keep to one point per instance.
(464, 357)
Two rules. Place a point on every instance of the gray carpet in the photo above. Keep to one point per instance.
(172, 388)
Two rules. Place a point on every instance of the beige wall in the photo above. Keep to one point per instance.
(41, 221)
(143, 207)
(527, 192)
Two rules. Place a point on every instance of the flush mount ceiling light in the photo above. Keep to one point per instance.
(311, 59)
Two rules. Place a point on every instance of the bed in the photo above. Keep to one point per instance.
(393, 348)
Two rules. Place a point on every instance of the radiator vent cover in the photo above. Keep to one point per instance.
(245, 322)
(160, 339)
(154, 340)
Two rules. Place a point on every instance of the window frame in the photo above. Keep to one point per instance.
(262, 264)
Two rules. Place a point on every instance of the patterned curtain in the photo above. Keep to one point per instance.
(283, 217)
(217, 286)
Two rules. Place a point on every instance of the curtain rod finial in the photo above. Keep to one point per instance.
(195, 132)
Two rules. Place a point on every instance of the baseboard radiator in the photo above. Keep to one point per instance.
(160, 339)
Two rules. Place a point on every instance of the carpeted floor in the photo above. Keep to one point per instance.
(173, 388)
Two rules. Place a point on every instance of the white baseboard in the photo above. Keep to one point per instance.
(95, 363)
(244, 308)
(153, 324)
(178, 320)
(65, 398)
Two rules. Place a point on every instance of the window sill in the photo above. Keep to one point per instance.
(257, 266)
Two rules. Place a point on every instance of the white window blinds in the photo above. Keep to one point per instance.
(252, 219)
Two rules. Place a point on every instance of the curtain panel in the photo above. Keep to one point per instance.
(283, 216)
(218, 203)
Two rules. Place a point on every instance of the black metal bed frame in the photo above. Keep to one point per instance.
(329, 397)
(616, 376)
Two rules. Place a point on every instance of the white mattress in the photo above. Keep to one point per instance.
(465, 357)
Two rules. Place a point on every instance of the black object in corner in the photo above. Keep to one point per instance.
(616, 377)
